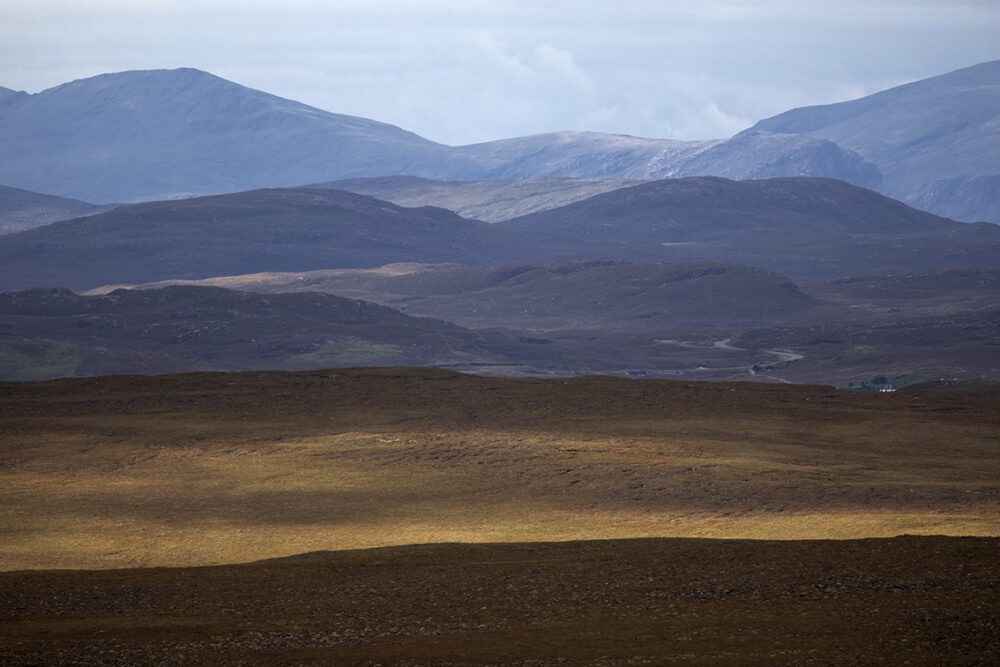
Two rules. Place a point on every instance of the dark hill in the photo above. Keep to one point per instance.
(805, 228)
(53, 332)
(263, 230)
(710, 208)
(561, 295)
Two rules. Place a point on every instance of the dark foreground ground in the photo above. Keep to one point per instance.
(907, 600)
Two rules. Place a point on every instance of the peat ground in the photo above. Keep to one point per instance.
(907, 600)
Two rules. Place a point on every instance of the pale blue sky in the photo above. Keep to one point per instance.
(466, 71)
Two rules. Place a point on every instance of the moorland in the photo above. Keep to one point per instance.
(201, 472)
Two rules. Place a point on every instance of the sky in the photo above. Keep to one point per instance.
(465, 71)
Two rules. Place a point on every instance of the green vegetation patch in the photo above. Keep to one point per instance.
(347, 353)
(24, 360)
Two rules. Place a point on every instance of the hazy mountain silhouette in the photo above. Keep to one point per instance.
(23, 209)
(144, 135)
(159, 134)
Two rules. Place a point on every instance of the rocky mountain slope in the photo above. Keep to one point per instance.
(935, 141)
(596, 155)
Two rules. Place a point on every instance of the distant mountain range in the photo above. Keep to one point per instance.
(562, 253)
(160, 134)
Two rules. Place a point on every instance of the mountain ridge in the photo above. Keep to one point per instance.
(199, 134)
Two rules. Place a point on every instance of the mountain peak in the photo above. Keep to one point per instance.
(140, 77)
(163, 134)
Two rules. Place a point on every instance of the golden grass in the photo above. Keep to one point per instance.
(203, 469)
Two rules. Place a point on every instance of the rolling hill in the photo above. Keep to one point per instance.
(805, 228)
(54, 332)
(557, 295)
(23, 209)
(490, 201)
(709, 208)
(929, 292)
(697, 320)
(202, 468)
(263, 230)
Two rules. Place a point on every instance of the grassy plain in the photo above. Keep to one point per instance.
(198, 469)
